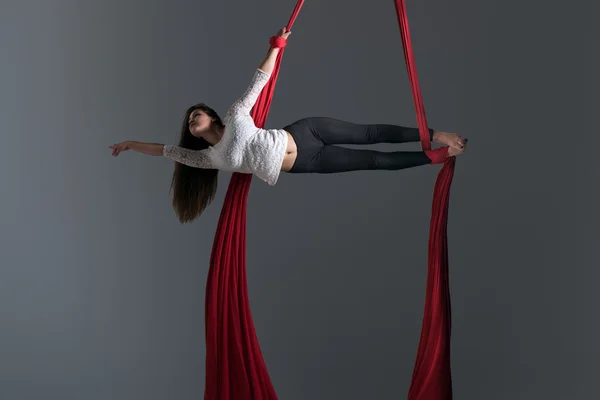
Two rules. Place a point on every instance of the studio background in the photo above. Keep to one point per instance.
(102, 290)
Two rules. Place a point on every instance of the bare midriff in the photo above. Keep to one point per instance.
(290, 154)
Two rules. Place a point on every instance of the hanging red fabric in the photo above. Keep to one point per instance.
(431, 378)
(235, 368)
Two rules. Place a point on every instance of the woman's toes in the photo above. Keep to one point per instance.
(452, 151)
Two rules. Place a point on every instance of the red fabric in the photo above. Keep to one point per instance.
(235, 369)
(431, 378)
(438, 155)
(277, 42)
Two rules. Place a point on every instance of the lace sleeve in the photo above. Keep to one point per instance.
(192, 158)
(244, 104)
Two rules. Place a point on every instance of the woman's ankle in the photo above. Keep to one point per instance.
(437, 135)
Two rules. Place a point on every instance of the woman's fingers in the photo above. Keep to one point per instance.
(116, 149)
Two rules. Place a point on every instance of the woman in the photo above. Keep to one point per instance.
(208, 144)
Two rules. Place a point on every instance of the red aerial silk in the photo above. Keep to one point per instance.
(235, 368)
(431, 378)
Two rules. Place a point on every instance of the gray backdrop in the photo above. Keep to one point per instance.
(102, 290)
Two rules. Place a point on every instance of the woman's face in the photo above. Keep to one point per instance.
(199, 123)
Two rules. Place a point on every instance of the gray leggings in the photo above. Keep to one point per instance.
(317, 137)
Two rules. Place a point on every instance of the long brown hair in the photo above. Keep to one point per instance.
(193, 188)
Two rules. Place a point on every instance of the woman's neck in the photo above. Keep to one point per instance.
(214, 136)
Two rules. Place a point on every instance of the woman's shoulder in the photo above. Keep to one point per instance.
(236, 121)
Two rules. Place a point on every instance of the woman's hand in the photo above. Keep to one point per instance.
(152, 149)
(119, 147)
(284, 33)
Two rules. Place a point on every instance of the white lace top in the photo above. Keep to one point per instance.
(243, 147)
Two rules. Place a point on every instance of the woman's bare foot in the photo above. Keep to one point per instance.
(453, 140)
(456, 144)
(452, 152)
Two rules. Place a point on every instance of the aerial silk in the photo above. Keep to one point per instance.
(431, 378)
(235, 368)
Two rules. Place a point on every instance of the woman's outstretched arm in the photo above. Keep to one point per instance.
(192, 158)
(243, 105)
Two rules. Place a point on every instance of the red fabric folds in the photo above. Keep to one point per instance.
(235, 369)
(277, 42)
(431, 378)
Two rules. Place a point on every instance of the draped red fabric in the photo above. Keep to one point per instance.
(235, 368)
(431, 378)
